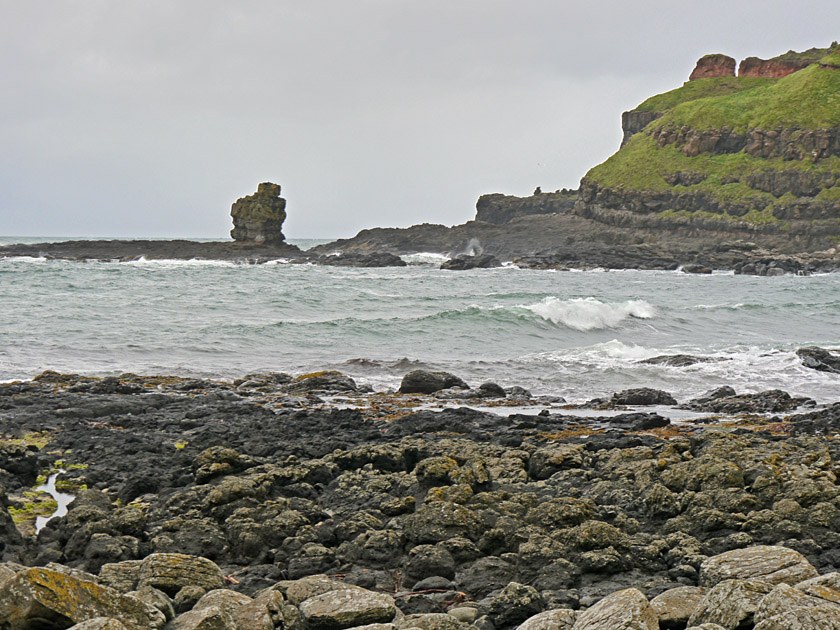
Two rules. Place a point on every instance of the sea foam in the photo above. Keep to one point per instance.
(590, 314)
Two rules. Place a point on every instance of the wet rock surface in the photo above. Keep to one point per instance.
(819, 359)
(185, 488)
(464, 262)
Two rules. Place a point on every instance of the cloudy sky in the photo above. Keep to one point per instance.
(150, 117)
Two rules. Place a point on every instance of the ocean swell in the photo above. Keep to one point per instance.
(590, 314)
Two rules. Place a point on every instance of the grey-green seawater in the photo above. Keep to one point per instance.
(574, 334)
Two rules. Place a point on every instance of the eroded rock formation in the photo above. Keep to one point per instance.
(258, 218)
(715, 65)
(771, 68)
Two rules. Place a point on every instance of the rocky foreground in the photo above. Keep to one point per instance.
(313, 503)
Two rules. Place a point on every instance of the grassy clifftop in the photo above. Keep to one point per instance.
(808, 99)
(701, 88)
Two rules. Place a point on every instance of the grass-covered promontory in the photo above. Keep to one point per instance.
(659, 160)
(700, 88)
(808, 99)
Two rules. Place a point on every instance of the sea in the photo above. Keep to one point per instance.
(576, 334)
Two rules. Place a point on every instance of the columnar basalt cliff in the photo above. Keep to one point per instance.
(258, 218)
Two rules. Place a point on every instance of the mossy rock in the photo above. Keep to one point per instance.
(42, 595)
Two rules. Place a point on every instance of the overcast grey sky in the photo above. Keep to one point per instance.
(150, 117)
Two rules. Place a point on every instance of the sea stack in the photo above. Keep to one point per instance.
(258, 218)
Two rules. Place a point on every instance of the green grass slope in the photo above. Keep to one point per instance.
(701, 88)
(805, 100)
(808, 99)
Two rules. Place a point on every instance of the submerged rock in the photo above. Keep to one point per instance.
(819, 359)
(678, 360)
(374, 259)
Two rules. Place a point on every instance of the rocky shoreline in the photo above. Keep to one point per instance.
(314, 503)
(466, 252)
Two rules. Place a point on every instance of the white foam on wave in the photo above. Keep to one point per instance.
(590, 314)
(142, 261)
(609, 354)
(425, 258)
(26, 259)
(600, 369)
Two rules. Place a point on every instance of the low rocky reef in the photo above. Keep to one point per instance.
(207, 502)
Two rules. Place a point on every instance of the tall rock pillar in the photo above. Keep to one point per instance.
(258, 218)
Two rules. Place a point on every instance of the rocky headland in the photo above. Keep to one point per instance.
(311, 502)
(734, 172)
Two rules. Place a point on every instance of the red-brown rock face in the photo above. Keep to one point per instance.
(770, 68)
(713, 66)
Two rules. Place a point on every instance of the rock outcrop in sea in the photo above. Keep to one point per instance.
(259, 217)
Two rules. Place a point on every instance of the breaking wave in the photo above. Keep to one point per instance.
(590, 314)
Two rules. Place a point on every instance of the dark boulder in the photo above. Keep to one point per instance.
(724, 391)
(20, 461)
(771, 401)
(491, 390)
(464, 262)
(819, 359)
(326, 381)
(638, 421)
(643, 396)
(677, 360)
(423, 382)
